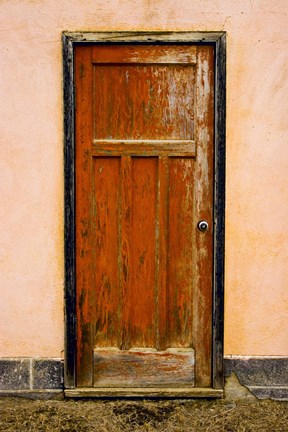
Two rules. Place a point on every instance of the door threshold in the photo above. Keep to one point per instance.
(151, 392)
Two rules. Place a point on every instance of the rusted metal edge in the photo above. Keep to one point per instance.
(152, 392)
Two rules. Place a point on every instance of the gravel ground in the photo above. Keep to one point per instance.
(21, 415)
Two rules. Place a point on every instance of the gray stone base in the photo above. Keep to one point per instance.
(35, 378)
(265, 377)
(39, 378)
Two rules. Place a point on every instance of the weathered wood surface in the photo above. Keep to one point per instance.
(144, 102)
(146, 37)
(219, 210)
(203, 210)
(150, 392)
(144, 271)
(146, 54)
(142, 368)
(161, 255)
(69, 215)
(172, 148)
(217, 40)
(84, 209)
(107, 177)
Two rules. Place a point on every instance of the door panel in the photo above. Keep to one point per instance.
(180, 262)
(144, 178)
(108, 300)
(143, 368)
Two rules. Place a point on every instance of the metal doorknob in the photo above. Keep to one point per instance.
(203, 225)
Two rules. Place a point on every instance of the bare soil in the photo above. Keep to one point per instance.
(21, 415)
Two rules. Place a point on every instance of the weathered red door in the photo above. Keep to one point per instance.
(144, 179)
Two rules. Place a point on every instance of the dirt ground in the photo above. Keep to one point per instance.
(21, 415)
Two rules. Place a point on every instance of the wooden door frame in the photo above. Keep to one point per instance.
(218, 41)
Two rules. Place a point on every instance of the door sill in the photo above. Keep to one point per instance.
(151, 392)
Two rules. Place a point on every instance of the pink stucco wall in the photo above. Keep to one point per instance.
(31, 162)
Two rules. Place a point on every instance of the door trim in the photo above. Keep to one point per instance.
(150, 392)
(216, 39)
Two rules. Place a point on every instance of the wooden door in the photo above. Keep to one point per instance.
(144, 179)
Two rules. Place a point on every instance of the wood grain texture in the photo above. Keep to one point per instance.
(171, 148)
(162, 239)
(69, 215)
(70, 42)
(85, 275)
(131, 54)
(144, 102)
(150, 392)
(203, 209)
(144, 275)
(136, 368)
(145, 37)
(219, 211)
(125, 249)
(180, 252)
(141, 296)
(107, 290)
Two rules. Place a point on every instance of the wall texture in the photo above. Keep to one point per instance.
(31, 162)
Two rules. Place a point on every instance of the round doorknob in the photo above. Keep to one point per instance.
(203, 225)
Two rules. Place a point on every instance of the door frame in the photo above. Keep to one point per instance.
(218, 41)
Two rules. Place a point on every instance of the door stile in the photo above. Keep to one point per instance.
(85, 279)
(203, 249)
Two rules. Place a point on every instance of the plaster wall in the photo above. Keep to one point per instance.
(31, 162)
